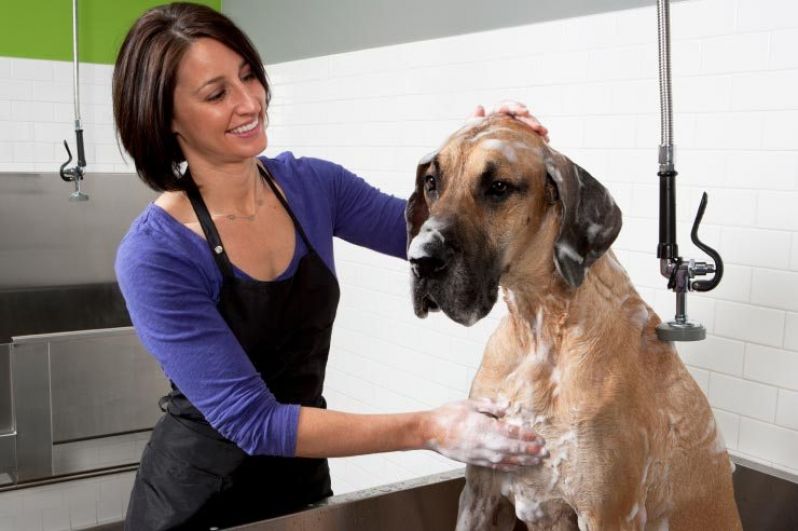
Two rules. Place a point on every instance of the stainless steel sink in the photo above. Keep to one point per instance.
(766, 503)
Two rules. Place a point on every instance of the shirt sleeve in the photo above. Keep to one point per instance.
(170, 302)
(364, 215)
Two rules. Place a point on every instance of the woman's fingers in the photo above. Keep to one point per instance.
(520, 112)
(523, 442)
(478, 112)
(489, 407)
(516, 431)
(474, 431)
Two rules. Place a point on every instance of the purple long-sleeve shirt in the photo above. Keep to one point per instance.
(171, 286)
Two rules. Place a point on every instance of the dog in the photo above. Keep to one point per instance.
(632, 440)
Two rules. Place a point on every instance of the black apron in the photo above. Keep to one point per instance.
(190, 476)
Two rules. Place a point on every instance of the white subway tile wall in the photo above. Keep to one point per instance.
(37, 114)
(593, 81)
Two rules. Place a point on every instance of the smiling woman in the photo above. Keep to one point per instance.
(218, 118)
(230, 283)
(157, 69)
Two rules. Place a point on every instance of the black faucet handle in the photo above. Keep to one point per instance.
(66, 174)
(706, 285)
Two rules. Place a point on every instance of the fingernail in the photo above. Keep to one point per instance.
(544, 452)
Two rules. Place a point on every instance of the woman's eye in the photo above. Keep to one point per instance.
(430, 183)
(498, 189)
(216, 96)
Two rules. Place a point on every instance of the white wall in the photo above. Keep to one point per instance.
(37, 114)
(593, 82)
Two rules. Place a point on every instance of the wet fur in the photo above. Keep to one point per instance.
(633, 441)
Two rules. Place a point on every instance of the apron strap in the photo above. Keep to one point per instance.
(211, 234)
(264, 171)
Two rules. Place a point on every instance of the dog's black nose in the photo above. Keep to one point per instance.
(428, 266)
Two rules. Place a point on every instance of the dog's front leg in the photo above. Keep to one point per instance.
(482, 506)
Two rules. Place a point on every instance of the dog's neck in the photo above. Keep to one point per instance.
(555, 324)
(540, 298)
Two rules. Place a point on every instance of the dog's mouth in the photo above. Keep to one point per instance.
(464, 298)
(432, 306)
(425, 303)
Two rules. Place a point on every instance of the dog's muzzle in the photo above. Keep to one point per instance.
(446, 276)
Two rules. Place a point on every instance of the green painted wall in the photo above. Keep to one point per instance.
(42, 29)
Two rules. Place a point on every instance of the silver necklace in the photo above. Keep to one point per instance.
(243, 217)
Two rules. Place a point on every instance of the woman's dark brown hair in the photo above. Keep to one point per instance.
(144, 81)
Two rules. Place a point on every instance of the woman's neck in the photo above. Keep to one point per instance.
(232, 188)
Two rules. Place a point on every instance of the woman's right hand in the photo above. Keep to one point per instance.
(517, 110)
(473, 432)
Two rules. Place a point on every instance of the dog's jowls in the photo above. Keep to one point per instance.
(633, 441)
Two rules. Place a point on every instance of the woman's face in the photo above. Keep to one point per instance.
(219, 105)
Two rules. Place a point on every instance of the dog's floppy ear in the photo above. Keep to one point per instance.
(416, 211)
(590, 218)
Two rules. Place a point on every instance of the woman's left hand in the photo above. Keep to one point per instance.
(518, 111)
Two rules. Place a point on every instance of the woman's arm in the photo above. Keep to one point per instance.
(469, 431)
(170, 298)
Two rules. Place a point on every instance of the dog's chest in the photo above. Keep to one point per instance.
(534, 387)
(553, 478)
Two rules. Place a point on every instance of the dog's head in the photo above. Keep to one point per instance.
(493, 194)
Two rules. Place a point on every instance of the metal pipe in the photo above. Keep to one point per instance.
(75, 173)
(667, 249)
(71, 477)
(666, 123)
(75, 63)
(76, 86)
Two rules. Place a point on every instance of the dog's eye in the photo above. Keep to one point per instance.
(498, 189)
(430, 183)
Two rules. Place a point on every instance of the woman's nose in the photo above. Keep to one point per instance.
(246, 100)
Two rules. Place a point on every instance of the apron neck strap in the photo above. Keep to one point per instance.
(209, 228)
(266, 174)
(211, 234)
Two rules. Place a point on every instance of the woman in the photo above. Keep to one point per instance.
(229, 280)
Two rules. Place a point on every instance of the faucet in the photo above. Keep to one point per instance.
(75, 173)
(677, 270)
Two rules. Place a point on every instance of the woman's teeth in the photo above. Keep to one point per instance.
(245, 128)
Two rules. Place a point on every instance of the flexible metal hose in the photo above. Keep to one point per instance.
(666, 117)
(75, 63)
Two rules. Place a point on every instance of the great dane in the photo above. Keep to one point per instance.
(633, 442)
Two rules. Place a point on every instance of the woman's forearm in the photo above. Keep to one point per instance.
(325, 433)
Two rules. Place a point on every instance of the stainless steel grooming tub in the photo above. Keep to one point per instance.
(767, 502)
(421, 504)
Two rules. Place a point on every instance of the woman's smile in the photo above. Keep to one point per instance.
(246, 130)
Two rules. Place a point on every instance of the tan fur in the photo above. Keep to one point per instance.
(633, 441)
